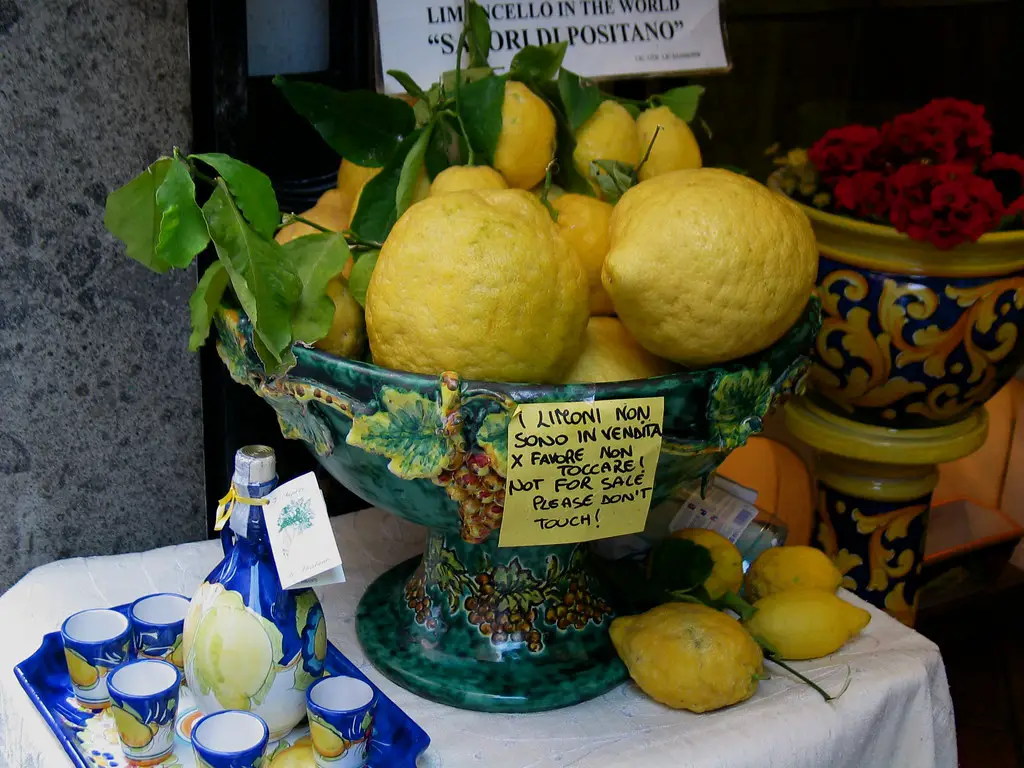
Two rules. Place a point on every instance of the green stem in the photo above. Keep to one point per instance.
(775, 660)
(356, 241)
(471, 159)
(548, 180)
(650, 146)
(290, 218)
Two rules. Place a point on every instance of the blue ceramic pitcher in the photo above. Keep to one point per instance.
(249, 644)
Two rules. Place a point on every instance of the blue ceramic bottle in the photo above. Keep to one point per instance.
(249, 644)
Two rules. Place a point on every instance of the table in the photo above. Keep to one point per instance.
(897, 710)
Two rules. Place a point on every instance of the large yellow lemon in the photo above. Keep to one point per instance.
(526, 143)
(675, 148)
(706, 266)
(609, 134)
(610, 353)
(347, 334)
(806, 623)
(689, 656)
(727, 569)
(459, 178)
(583, 224)
(479, 283)
(351, 180)
(784, 568)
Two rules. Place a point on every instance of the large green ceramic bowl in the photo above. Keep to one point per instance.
(470, 624)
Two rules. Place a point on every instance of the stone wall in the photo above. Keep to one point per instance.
(100, 416)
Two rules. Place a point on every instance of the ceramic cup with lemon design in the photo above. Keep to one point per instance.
(95, 641)
(144, 697)
(341, 713)
(157, 624)
(230, 739)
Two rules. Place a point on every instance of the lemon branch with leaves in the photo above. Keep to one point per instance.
(166, 220)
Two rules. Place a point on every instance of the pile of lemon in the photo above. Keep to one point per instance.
(691, 656)
(497, 276)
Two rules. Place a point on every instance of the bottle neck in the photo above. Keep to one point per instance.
(247, 519)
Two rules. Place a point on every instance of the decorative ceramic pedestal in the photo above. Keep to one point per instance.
(519, 629)
(500, 630)
(874, 492)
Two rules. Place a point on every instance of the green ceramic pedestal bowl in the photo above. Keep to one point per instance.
(515, 629)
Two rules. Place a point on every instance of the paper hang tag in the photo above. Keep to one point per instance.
(727, 509)
(301, 536)
(580, 471)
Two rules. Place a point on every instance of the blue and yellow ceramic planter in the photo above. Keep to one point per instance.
(914, 337)
(874, 493)
(471, 625)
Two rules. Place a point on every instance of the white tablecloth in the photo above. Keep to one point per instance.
(896, 712)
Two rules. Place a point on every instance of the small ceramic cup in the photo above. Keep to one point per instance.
(157, 625)
(232, 738)
(144, 702)
(341, 713)
(95, 641)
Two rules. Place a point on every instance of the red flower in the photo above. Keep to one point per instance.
(943, 204)
(865, 193)
(844, 151)
(1002, 161)
(942, 131)
(1007, 173)
(966, 121)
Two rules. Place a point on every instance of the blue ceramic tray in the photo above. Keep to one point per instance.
(90, 738)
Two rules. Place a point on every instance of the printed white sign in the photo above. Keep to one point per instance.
(606, 38)
(301, 537)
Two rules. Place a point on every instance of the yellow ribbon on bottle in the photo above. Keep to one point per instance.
(227, 505)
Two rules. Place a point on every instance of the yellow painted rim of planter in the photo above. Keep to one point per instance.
(827, 432)
(877, 482)
(874, 246)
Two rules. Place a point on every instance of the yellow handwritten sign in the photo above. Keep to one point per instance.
(580, 471)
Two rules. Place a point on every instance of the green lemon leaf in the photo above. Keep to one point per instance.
(361, 126)
(409, 430)
(447, 147)
(466, 76)
(580, 98)
(251, 188)
(478, 35)
(480, 106)
(613, 177)
(133, 217)
(405, 80)
(567, 177)
(537, 63)
(679, 565)
(183, 233)
(378, 208)
(682, 101)
(316, 259)
(411, 168)
(359, 277)
(264, 282)
(205, 302)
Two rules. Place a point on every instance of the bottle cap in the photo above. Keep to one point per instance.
(254, 465)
